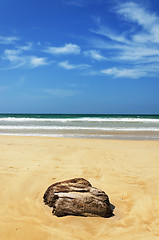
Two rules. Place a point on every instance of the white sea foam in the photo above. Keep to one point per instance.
(84, 119)
(77, 128)
(82, 126)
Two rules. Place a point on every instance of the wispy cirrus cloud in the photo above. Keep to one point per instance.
(68, 66)
(110, 34)
(123, 51)
(148, 21)
(20, 54)
(139, 53)
(12, 54)
(95, 55)
(17, 58)
(68, 48)
(26, 47)
(130, 46)
(124, 72)
(8, 40)
(14, 57)
(37, 61)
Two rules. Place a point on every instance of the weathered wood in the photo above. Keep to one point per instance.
(77, 197)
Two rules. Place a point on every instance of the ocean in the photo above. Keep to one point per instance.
(138, 127)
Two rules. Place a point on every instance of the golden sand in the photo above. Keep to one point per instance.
(128, 171)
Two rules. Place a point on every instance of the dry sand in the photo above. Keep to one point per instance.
(128, 171)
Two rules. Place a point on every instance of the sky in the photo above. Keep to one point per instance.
(79, 56)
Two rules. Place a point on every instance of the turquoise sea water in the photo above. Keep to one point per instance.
(145, 127)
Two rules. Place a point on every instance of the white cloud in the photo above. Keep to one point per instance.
(148, 21)
(14, 57)
(26, 47)
(130, 46)
(104, 31)
(141, 38)
(64, 50)
(12, 54)
(128, 73)
(66, 65)
(138, 53)
(136, 13)
(62, 93)
(8, 40)
(38, 61)
(17, 59)
(94, 54)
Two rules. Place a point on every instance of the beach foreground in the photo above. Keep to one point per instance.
(128, 171)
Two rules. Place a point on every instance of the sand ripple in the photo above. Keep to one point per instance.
(126, 170)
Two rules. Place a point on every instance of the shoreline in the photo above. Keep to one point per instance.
(134, 136)
(126, 170)
(109, 126)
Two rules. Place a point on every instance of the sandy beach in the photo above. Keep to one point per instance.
(128, 171)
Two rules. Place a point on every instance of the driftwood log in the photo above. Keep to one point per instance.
(77, 197)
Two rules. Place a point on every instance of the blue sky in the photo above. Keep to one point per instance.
(79, 56)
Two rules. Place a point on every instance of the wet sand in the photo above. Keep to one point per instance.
(128, 171)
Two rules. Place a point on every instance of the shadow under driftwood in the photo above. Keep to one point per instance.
(77, 197)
